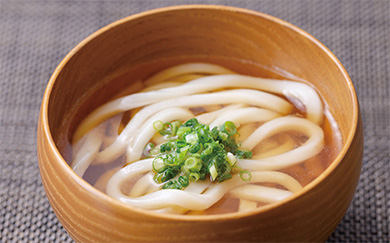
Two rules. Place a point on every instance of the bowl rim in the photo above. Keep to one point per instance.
(228, 216)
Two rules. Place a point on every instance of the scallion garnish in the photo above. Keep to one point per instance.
(245, 175)
(194, 151)
(158, 125)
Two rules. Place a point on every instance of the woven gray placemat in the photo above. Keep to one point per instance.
(36, 35)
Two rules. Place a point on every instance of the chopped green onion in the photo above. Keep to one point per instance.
(231, 158)
(191, 123)
(157, 178)
(224, 136)
(175, 127)
(203, 134)
(245, 175)
(158, 125)
(240, 154)
(192, 138)
(172, 185)
(193, 164)
(182, 131)
(226, 168)
(224, 177)
(183, 180)
(166, 129)
(192, 176)
(183, 153)
(229, 128)
(213, 172)
(180, 143)
(148, 148)
(158, 165)
(170, 160)
(195, 148)
(167, 175)
(154, 152)
(194, 152)
(166, 147)
(208, 149)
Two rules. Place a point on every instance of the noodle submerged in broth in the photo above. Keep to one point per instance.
(200, 138)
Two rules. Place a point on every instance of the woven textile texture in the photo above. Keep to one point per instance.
(36, 35)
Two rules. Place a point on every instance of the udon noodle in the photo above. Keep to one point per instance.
(280, 121)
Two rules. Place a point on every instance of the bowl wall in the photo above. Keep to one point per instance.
(243, 40)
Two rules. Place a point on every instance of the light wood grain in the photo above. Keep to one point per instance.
(138, 46)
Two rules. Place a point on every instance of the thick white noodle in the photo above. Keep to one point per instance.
(88, 150)
(260, 193)
(198, 187)
(244, 96)
(306, 94)
(188, 200)
(308, 149)
(158, 139)
(144, 185)
(146, 132)
(209, 117)
(245, 115)
(187, 68)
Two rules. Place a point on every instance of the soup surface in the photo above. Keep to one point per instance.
(273, 137)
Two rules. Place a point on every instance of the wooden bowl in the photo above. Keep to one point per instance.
(139, 45)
